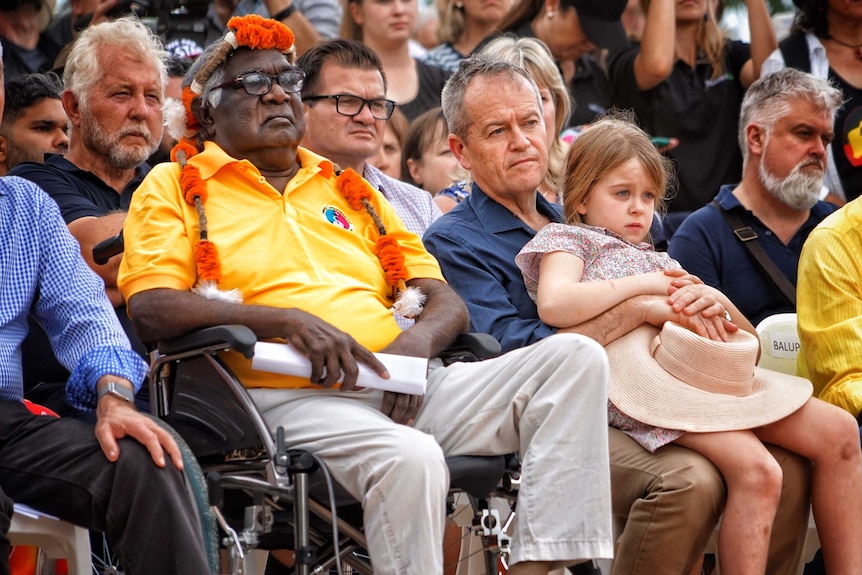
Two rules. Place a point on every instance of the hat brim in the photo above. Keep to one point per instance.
(643, 390)
(604, 34)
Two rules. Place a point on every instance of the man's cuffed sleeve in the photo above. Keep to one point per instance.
(125, 363)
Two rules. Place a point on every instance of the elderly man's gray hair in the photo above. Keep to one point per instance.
(452, 97)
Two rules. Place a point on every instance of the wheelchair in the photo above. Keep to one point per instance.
(262, 495)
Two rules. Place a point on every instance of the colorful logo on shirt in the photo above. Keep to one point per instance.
(853, 139)
(335, 216)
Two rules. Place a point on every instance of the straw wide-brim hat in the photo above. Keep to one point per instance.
(675, 379)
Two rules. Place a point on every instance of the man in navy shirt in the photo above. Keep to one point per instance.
(667, 503)
(785, 128)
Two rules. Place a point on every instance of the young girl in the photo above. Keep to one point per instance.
(615, 182)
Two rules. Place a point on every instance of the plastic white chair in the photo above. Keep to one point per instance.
(779, 343)
(57, 538)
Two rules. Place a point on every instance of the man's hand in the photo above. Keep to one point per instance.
(331, 351)
(401, 407)
(118, 418)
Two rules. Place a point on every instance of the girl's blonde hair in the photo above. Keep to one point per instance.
(609, 142)
(710, 39)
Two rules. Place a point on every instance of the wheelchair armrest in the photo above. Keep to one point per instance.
(471, 347)
(108, 248)
(237, 337)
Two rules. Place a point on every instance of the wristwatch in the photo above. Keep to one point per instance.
(117, 390)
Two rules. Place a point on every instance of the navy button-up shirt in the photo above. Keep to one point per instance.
(476, 243)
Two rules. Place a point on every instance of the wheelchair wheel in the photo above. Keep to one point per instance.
(197, 488)
(106, 561)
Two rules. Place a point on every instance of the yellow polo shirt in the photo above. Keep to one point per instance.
(829, 308)
(305, 248)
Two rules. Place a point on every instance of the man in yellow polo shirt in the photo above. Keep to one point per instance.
(248, 228)
(829, 308)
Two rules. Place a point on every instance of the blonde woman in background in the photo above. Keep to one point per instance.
(463, 25)
(532, 55)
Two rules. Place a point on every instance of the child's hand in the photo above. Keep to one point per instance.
(715, 328)
(663, 283)
(696, 299)
(681, 278)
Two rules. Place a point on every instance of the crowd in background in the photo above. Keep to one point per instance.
(667, 63)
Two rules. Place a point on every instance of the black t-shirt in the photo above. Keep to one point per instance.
(79, 193)
(590, 90)
(431, 81)
(702, 113)
(18, 61)
(847, 145)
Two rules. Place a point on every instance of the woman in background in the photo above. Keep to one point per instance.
(463, 25)
(385, 26)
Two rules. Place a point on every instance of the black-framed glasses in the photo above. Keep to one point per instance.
(350, 105)
(260, 83)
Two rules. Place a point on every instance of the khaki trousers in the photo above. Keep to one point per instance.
(667, 504)
(547, 401)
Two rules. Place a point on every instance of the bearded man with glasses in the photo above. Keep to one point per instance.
(344, 99)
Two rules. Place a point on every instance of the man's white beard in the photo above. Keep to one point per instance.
(798, 190)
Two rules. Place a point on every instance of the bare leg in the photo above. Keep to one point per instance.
(753, 480)
(829, 437)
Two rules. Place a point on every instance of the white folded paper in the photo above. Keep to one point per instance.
(406, 374)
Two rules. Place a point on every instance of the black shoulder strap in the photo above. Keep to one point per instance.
(747, 236)
(794, 50)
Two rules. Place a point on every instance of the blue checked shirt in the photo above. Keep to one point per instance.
(42, 271)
